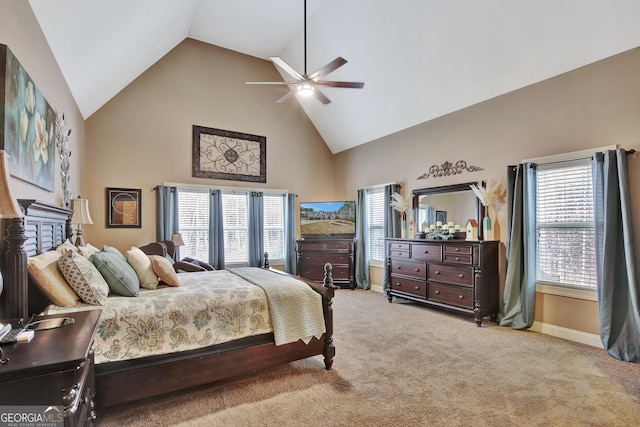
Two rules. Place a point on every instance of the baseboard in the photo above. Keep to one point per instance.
(567, 334)
(377, 288)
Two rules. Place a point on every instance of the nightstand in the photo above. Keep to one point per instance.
(55, 368)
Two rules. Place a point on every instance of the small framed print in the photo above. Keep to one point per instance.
(124, 208)
(441, 216)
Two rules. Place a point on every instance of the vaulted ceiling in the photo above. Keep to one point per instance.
(419, 59)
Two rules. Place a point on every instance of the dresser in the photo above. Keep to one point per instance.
(54, 369)
(457, 275)
(313, 254)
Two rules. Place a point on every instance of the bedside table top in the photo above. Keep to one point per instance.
(51, 349)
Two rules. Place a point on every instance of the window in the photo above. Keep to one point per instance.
(375, 224)
(194, 225)
(565, 224)
(274, 226)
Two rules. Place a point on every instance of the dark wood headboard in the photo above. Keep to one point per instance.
(44, 227)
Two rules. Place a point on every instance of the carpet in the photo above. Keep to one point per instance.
(403, 364)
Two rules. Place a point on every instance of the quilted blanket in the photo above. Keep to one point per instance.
(295, 308)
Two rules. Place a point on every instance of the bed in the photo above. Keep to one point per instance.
(46, 226)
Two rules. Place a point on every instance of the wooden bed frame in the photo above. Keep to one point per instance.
(45, 226)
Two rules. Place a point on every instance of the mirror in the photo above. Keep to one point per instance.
(449, 203)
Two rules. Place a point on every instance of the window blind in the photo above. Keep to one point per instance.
(375, 221)
(234, 214)
(194, 223)
(274, 226)
(565, 224)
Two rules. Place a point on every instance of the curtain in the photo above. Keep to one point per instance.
(362, 240)
(166, 212)
(216, 230)
(520, 279)
(392, 225)
(256, 229)
(290, 265)
(618, 292)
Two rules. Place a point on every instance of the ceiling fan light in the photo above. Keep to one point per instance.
(305, 89)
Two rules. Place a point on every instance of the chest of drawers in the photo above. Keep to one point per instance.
(457, 275)
(313, 254)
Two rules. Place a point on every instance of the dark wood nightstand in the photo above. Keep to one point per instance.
(55, 368)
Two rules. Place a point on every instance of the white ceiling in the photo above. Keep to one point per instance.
(419, 59)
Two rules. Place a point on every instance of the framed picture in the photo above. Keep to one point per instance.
(124, 208)
(223, 154)
(27, 125)
(441, 216)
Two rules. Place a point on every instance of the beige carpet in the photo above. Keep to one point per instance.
(402, 364)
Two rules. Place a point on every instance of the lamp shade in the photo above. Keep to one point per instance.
(176, 238)
(81, 213)
(8, 205)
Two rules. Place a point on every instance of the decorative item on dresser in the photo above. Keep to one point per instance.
(54, 369)
(313, 254)
(454, 274)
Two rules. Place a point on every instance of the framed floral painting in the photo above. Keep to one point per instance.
(223, 154)
(27, 125)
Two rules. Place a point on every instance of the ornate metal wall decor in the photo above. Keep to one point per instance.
(448, 168)
(223, 154)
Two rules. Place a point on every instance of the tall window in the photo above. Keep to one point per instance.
(194, 225)
(565, 224)
(375, 223)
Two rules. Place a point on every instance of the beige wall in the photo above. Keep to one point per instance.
(142, 137)
(20, 31)
(594, 106)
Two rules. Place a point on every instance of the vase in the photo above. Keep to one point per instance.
(403, 229)
(487, 233)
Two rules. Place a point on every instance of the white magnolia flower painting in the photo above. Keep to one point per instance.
(27, 125)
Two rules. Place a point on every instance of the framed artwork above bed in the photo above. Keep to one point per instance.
(223, 154)
(27, 125)
(124, 208)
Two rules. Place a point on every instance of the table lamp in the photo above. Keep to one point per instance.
(81, 216)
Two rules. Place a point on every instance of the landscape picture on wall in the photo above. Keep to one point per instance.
(27, 125)
(327, 218)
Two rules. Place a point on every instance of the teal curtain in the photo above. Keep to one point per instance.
(216, 230)
(256, 229)
(362, 260)
(392, 226)
(618, 292)
(518, 305)
(166, 212)
(290, 265)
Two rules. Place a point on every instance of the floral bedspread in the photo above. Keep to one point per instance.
(207, 308)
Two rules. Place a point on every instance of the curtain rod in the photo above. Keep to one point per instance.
(218, 187)
(534, 164)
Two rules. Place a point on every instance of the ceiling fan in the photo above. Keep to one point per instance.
(308, 84)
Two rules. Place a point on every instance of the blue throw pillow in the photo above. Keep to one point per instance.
(119, 275)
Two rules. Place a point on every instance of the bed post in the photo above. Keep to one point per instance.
(329, 349)
(16, 281)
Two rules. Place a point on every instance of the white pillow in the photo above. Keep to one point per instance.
(143, 268)
(67, 246)
(88, 250)
(44, 272)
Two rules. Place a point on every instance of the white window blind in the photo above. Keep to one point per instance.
(375, 223)
(194, 223)
(274, 226)
(235, 220)
(565, 224)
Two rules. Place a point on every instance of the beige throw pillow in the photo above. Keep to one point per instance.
(66, 246)
(164, 270)
(44, 272)
(143, 268)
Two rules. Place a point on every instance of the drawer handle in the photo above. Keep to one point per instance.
(461, 275)
(461, 296)
(398, 284)
(417, 288)
(437, 292)
(457, 258)
(457, 249)
(426, 252)
(437, 272)
(417, 270)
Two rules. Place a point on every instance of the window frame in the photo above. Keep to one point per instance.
(369, 193)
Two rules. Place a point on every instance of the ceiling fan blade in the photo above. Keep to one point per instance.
(331, 66)
(287, 95)
(286, 67)
(348, 85)
(321, 96)
(271, 83)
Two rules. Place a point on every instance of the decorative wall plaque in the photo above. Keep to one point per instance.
(223, 154)
(448, 168)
